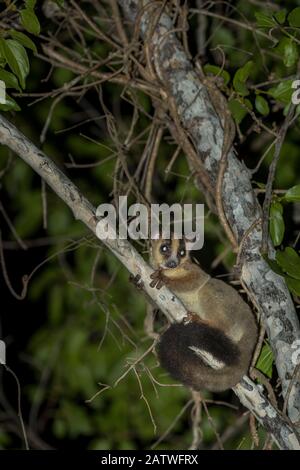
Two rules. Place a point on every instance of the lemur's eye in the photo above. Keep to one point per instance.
(182, 253)
(164, 248)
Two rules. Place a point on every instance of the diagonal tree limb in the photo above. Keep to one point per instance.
(249, 394)
(180, 83)
(84, 211)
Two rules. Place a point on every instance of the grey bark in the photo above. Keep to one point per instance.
(177, 77)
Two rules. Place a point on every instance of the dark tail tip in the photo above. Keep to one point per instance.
(181, 362)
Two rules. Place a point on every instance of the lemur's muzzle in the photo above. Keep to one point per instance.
(172, 263)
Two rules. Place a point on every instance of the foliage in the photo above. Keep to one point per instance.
(14, 61)
(265, 361)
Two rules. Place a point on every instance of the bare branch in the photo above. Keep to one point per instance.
(268, 195)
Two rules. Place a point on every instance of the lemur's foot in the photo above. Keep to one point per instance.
(158, 279)
(136, 280)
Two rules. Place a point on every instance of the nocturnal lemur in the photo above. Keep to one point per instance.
(219, 329)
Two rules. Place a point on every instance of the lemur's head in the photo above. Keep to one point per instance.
(168, 253)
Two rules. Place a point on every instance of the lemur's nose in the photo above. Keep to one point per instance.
(171, 264)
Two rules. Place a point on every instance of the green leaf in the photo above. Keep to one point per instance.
(293, 285)
(23, 39)
(292, 194)
(277, 227)
(261, 105)
(30, 22)
(30, 4)
(294, 17)
(290, 53)
(243, 73)
(288, 50)
(274, 265)
(240, 87)
(282, 92)
(265, 361)
(264, 20)
(9, 79)
(17, 58)
(2, 52)
(280, 16)
(60, 3)
(237, 110)
(9, 105)
(289, 260)
(241, 77)
(208, 68)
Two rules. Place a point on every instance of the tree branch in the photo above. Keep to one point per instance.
(180, 84)
(247, 391)
(83, 210)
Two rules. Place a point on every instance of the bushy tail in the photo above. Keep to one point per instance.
(182, 362)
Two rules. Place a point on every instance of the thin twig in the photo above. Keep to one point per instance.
(292, 382)
(20, 415)
(268, 195)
